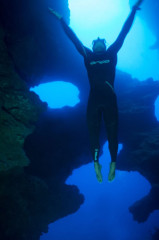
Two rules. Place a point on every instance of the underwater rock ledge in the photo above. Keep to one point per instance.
(142, 208)
(19, 112)
(139, 133)
(22, 197)
(27, 204)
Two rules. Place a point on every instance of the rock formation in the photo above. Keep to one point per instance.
(27, 205)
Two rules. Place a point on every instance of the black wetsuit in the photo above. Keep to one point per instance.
(102, 99)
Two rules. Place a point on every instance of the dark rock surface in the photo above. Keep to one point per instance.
(19, 112)
(139, 133)
(155, 236)
(142, 209)
(27, 205)
(22, 198)
(58, 143)
(34, 37)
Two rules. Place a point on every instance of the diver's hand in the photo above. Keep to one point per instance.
(137, 4)
(56, 14)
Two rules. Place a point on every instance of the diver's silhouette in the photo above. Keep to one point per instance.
(100, 64)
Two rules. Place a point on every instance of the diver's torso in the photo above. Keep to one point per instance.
(101, 68)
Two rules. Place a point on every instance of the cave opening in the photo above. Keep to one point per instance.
(106, 206)
(58, 94)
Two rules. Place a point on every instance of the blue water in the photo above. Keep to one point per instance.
(57, 94)
(104, 214)
(105, 18)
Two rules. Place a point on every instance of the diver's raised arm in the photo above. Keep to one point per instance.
(137, 4)
(72, 36)
(56, 14)
(126, 28)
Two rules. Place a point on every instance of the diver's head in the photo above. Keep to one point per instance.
(99, 45)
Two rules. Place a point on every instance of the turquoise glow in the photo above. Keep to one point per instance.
(157, 108)
(105, 18)
(58, 94)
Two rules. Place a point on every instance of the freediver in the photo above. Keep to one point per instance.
(101, 65)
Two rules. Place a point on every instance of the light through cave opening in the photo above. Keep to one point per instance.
(106, 206)
(104, 19)
(58, 94)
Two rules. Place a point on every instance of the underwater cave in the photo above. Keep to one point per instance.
(48, 186)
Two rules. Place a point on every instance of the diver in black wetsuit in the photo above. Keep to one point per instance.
(100, 64)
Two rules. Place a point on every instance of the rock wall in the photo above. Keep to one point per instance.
(21, 197)
(31, 37)
(19, 112)
(139, 131)
(27, 205)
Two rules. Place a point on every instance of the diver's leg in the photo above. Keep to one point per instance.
(112, 133)
(94, 116)
(111, 123)
(113, 148)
